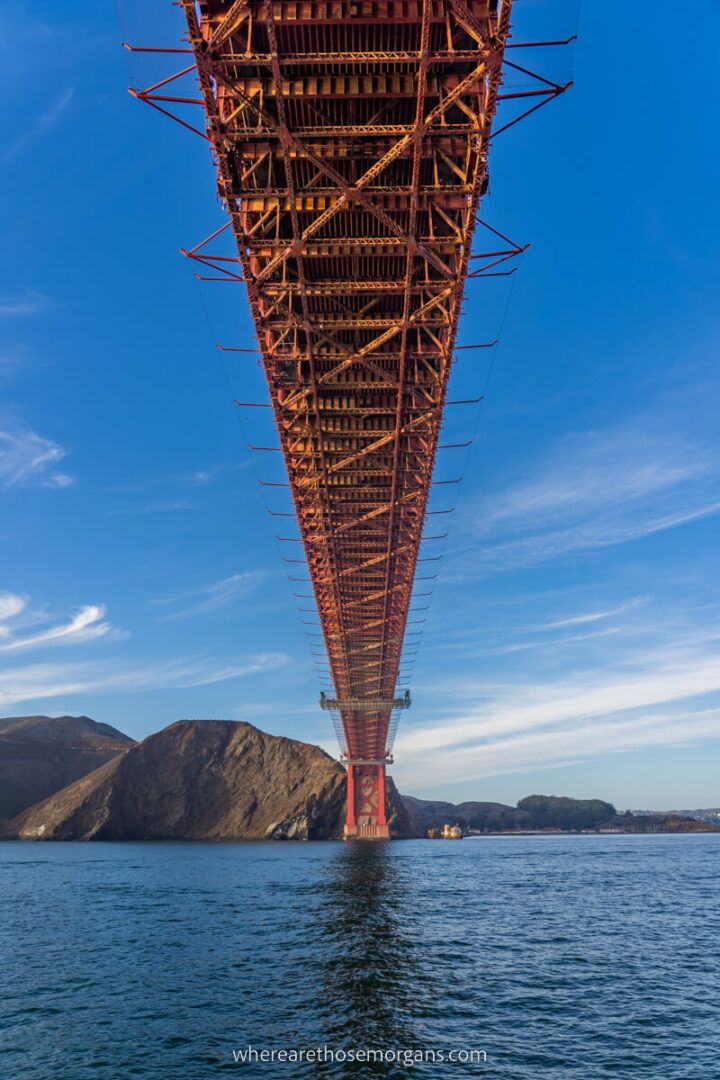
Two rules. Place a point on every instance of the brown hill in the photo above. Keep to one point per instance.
(39, 755)
(203, 779)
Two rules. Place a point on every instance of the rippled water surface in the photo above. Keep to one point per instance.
(573, 957)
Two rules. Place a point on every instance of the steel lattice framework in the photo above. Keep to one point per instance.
(351, 139)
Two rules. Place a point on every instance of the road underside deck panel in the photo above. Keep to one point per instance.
(351, 142)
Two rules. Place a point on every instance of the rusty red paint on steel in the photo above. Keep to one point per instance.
(351, 139)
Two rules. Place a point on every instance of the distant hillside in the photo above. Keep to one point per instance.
(545, 812)
(708, 813)
(426, 814)
(665, 823)
(479, 816)
(560, 812)
(39, 755)
(203, 780)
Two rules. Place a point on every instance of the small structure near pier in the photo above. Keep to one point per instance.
(448, 832)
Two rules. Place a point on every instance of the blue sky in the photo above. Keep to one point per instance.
(573, 639)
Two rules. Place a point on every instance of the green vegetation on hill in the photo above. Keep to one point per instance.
(533, 812)
(559, 812)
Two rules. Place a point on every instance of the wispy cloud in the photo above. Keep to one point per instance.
(86, 625)
(41, 681)
(663, 695)
(549, 749)
(551, 643)
(11, 604)
(193, 478)
(213, 597)
(50, 679)
(166, 506)
(27, 459)
(38, 127)
(204, 477)
(589, 617)
(29, 303)
(16, 616)
(13, 359)
(594, 490)
(505, 638)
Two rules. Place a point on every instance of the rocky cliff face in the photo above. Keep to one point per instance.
(203, 779)
(39, 755)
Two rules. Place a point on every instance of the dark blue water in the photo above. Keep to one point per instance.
(572, 957)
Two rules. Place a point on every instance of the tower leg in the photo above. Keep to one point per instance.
(366, 817)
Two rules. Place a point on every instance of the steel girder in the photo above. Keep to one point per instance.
(351, 139)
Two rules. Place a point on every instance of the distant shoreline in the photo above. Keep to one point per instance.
(590, 832)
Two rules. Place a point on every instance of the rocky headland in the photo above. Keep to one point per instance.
(203, 780)
(39, 755)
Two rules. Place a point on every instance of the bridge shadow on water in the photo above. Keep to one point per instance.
(370, 991)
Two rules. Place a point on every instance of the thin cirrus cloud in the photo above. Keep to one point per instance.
(29, 303)
(587, 617)
(204, 477)
(196, 478)
(525, 646)
(14, 360)
(549, 749)
(87, 624)
(39, 126)
(167, 506)
(50, 680)
(214, 597)
(664, 695)
(29, 460)
(11, 604)
(595, 490)
(500, 640)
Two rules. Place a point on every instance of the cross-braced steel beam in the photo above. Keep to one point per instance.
(352, 156)
(351, 141)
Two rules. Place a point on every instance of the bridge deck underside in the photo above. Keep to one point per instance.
(351, 140)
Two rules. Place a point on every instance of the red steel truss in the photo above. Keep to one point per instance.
(351, 139)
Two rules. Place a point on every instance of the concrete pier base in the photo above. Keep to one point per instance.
(367, 832)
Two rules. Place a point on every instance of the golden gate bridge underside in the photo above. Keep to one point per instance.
(351, 140)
